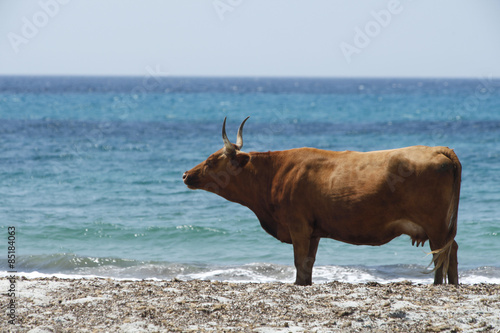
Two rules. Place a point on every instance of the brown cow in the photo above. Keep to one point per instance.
(301, 195)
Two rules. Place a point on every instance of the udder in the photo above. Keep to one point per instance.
(416, 232)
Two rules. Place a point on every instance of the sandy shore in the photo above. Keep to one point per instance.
(100, 305)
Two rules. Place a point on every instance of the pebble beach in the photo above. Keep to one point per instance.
(107, 305)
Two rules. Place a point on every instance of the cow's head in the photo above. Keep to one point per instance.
(216, 173)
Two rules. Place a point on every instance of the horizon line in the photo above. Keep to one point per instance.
(265, 77)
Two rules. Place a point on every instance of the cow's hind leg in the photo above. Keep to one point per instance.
(438, 268)
(304, 250)
(445, 258)
(453, 268)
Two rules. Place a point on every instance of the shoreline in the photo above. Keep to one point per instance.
(99, 304)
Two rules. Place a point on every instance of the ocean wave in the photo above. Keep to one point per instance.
(72, 266)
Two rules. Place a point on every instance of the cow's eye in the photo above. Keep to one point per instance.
(208, 165)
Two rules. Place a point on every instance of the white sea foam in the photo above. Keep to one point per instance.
(264, 273)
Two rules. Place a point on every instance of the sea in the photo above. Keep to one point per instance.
(91, 173)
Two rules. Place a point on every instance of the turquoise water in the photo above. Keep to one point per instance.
(91, 172)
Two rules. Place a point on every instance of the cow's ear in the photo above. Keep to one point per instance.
(242, 159)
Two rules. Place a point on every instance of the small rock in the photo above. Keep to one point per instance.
(438, 328)
(398, 314)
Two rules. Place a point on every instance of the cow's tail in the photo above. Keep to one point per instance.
(441, 257)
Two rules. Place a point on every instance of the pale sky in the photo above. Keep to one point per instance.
(323, 38)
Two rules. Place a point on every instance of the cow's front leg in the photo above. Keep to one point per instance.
(304, 251)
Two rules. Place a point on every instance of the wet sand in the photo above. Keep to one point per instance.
(100, 305)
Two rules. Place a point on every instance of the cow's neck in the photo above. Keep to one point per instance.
(251, 187)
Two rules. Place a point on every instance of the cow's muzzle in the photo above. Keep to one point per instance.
(190, 180)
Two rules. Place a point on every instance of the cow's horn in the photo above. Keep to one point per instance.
(239, 139)
(227, 144)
